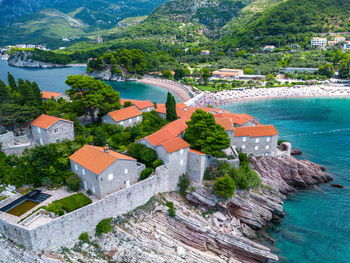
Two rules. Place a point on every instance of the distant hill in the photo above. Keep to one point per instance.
(294, 20)
(48, 21)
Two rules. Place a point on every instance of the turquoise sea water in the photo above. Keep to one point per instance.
(316, 228)
(53, 80)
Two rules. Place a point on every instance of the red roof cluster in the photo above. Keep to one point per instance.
(45, 121)
(140, 104)
(48, 94)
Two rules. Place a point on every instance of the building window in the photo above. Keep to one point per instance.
(121, 123)
(83, 170)
(256, 148)
(148, 109)
(267, 147)
(76, 167)
(243, 146)
(85, 185)
(55, 130)
(257, 140)
(126, 171)
(58, 140)
(181, 151)
(130, 120)
(104, 120)
(138, 118)
(268, 139)
(244, 139)
(93, 190)
(110, 177)
(39, 130)
(182, 162)
(41, 141)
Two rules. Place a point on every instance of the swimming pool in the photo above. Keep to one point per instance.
(25, 203)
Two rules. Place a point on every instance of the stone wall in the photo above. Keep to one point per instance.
(65, 230)
(196, 165)
(65, 131)
(125, 123)
(7, 139)
(259, 146)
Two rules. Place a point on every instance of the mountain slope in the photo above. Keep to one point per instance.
(293, 20)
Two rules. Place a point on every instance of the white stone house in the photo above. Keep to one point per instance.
(125, 117)
(143, 106)
(260, 140)
(103, 171)
(48, 129)
(320, 42)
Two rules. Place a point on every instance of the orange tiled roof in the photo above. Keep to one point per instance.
(45, 121)
(197, 152)
(95, 159)
(239, 119)
(181, 105)
(48, 94)
(256, 131)
(168, 132)
(124, 114)
(140, 104)
(175, 145)
(226, 123)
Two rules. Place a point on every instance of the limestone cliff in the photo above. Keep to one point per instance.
(106, 75)
(204, 228)
(25, 60)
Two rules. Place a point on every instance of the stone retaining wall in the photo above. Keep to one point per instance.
(65, 230)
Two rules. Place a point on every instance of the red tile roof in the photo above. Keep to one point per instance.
(175, 145)
(256, 131)
(239, 119)
(181, 105)
(226, 123)
(45, 121)
(48, 94)
(140, 104)
(124, 114)
(95, 159)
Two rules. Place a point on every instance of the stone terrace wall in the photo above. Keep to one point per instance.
(65, 230)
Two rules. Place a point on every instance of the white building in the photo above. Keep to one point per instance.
(319, 42)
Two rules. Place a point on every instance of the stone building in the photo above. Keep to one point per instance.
(48, 129)
(103, 171)
(47, 95)
(260, 140)
(125, 117)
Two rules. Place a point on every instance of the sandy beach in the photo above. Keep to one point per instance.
(230, 96)
(179, 89)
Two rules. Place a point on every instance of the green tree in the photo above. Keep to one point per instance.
(142, 153)
(248, 71)
(206, 74)
(92, 96)
(326, 70)
(224, 187)
(179, 73)
(15, 115)
(170, 105)
(166, 74)
(12, 82)
(205, 135)
(344, 69)
(4, 93)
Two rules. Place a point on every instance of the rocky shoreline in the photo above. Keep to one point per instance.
(24, 60)
(204, 229)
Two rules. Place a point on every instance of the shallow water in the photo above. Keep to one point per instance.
(316, 228)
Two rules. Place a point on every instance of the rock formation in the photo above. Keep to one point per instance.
(24, 60)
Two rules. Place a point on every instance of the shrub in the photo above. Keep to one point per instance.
(104, 226)
(127, 104)
(73, 182)
(142, 153)
(146, 173)
(171, 209)
(184, 183)
(243, 158)
(69, 203)
(84, 237)
(224, 187)
(157, 163)
(281, 141)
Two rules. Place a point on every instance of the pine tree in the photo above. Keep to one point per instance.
(170, 105)
(36, 93)
(4, 93)
(11, 81)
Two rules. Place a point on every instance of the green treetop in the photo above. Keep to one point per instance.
(205, 135)
(91, 96)
(4, 93)
(326, 70)
(170, 105)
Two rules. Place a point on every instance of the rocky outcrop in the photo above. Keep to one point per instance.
(24, 60)
(106, 75)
